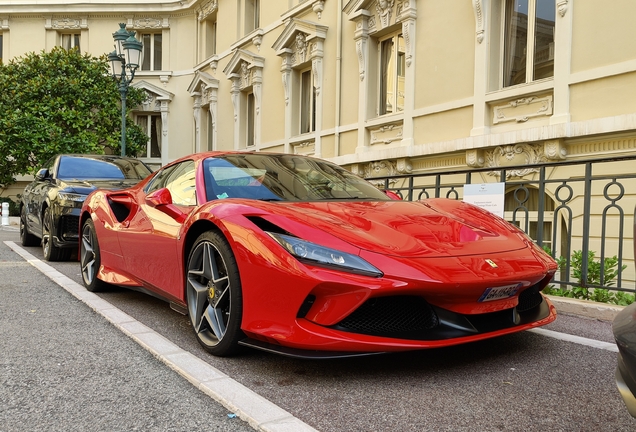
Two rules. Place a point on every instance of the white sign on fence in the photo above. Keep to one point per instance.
(489, 196)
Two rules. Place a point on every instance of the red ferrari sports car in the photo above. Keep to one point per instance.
(298, 256)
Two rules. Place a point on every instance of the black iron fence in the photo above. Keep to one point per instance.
(581, 212)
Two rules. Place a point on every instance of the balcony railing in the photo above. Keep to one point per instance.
(582, 208)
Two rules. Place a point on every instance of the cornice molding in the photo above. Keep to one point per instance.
(31, 7)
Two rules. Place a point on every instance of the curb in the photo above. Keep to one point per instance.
(585, 308)
(258, 412)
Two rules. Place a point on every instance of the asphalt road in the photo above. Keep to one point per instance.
(523, 382)
(64, 368)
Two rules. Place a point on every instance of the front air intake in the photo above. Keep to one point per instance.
(529, 299)
(397, 316)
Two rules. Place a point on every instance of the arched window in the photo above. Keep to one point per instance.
(521, 207)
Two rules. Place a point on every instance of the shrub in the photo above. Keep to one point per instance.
(581, 290)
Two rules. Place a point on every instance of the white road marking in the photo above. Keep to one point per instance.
(260, 413)
(576, 339)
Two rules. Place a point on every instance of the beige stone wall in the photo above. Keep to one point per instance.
(602, 33)
(443, 126)
(606, 97)
(445, 53)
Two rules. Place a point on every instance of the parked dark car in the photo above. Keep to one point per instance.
(50, 205)
(625, 334)
(624, 328)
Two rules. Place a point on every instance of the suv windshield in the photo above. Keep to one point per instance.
(84, 168)
(283, 177)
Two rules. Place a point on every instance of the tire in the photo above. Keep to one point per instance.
(90, 258)
(50, 251)
(26, 238)
(213, 295)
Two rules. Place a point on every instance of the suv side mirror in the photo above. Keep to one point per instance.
(42, 174)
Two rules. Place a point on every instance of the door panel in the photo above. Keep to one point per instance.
(149, 241)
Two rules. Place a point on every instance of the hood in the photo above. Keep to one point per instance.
(85, 187)
(410, 229)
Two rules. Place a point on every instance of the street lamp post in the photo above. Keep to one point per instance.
(124, 61)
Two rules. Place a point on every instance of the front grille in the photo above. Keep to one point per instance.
(529, 299)
(396, 316)
(69, 227)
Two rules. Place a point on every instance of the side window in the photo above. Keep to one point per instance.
(151, 124)
(179, 180)
(159, 180)
(152, 51)
(528, 44)
(307, 102)
(70, 41)
(50, 167)
(252, 15)
(181, 184)
(392, 71)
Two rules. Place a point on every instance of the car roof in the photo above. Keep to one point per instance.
(93, 156)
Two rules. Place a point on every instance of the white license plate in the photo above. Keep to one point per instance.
(497, 293)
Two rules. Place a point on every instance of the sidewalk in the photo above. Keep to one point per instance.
(585, 308)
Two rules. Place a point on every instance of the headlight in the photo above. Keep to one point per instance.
(65, 196)
(312, 253)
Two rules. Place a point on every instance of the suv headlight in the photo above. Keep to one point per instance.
(66, 196)
(314, 254)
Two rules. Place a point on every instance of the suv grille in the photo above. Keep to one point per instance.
(69, 227)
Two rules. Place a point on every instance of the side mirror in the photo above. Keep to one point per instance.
(161, 199)
(392, 195)
(42, 174)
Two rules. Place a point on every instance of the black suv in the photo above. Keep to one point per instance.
(50, 205)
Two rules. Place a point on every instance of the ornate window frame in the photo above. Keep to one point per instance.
(204, 88)
(490, 97)
(207, 18)
(375, 18)
(153, 25)
(245, 71)
(157, 100)
(300, 45)
(63, 25)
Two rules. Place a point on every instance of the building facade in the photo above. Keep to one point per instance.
(381, 87)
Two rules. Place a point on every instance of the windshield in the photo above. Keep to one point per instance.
(85, 168)
(283, 177)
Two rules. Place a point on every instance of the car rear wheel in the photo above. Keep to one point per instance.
(213, 295)
(26, 238)
(90, 258)
(51, 252)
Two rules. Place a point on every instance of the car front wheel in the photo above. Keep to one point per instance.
(51, 252)
(26, 238)
(213, 295)
(90, 258)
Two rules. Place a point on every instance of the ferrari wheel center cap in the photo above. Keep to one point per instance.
(210, 291)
